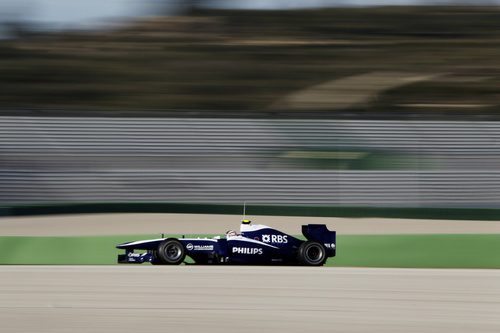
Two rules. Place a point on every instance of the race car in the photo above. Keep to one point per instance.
(255, 244)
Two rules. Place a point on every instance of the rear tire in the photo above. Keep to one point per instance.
(311, 254)
(171, 252)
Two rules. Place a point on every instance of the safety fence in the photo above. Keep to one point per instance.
(270, 162)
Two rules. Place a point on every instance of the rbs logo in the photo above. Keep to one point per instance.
(247, 250)
(282, 239)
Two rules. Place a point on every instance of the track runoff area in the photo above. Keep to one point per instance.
(186, 298)
(247, 299)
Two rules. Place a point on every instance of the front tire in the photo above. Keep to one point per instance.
(311, 254)
(171, 252)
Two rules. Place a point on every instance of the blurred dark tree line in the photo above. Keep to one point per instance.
(215, 59)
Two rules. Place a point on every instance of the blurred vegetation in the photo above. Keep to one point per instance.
(245, 60)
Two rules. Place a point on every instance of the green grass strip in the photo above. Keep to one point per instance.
(421, 251)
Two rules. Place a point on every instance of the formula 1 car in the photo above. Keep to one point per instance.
(255, 244)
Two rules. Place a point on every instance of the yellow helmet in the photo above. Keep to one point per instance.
(246, 221)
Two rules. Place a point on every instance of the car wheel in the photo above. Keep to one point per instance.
(171, 252)
(312, 254)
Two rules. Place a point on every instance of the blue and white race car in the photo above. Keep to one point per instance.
(253, 245)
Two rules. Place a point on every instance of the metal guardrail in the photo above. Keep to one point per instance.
(57, 159)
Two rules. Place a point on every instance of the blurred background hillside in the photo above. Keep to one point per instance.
(402, 59)
(217, 102)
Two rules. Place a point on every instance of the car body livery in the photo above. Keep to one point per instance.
(256, 244)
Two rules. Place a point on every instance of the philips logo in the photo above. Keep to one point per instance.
(247, 250)
(282, 239)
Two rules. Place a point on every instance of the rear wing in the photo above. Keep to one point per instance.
(320, 233)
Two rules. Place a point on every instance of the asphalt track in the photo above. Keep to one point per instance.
(206, 299)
